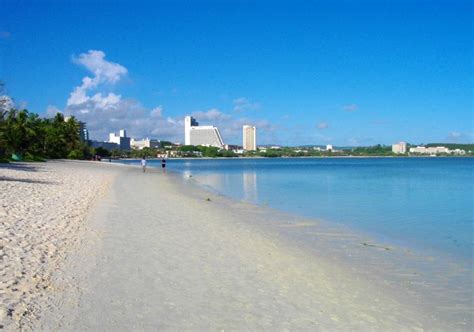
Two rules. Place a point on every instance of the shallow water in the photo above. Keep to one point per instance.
(424, 203)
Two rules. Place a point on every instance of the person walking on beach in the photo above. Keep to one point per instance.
(144, 164)
(163, 164)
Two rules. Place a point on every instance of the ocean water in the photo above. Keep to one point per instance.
(423, 203)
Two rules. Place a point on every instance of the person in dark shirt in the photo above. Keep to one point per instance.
(163, 164)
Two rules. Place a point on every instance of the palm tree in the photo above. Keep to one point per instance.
(71, 133)
(20, 130)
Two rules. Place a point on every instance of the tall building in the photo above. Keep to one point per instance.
(249, 134)
(201, 135)
(83, 132)
(399, 147)
(121, 139)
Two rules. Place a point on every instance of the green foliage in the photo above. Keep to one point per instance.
(100, 151)
(205, 151)
(209, 151)
(147, 152)
(227, 154)
(271, 154)
(116, 153)
(19, 132)
(29, 157)
(188, 148)
(76, 154)
(376, 150)
(27, 135)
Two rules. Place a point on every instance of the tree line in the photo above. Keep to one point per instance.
(26, 136)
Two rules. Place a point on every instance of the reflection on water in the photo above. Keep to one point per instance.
(421, 202)
(249, 181)
(243, 183)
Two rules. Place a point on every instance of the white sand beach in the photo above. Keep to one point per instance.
(90, 246)
(43, 207)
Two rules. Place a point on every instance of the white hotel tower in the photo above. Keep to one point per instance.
(249, 134)
(201, 135)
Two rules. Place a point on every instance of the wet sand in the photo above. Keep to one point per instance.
(159, 253)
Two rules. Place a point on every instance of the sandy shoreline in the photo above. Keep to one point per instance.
(42, 213)
(154, 253)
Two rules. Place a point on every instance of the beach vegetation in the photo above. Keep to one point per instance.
(204, 151)
(376, 150)
(101, 152)
(28, 137)
(146, 152)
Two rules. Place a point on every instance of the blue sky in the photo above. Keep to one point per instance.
(304, 72)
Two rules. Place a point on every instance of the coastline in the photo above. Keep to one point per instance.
(284, 157)
(382, 222)
(225, 254)
(382, 241)
(434, 279)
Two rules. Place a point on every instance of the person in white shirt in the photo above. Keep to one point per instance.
(144, 164)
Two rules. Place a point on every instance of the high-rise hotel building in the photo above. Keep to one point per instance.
(201, 135)
(399, 148)
(249, 138)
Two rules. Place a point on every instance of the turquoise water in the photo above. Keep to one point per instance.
(426, 203)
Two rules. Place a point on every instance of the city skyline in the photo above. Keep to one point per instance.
(393, 72)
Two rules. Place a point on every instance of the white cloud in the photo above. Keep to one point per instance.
(213, 114)
(52, 110)
(243, 104)
(106, 112)
(157, 112)
(323, 125)
(103, 70)
(350, 107)
(109, 112)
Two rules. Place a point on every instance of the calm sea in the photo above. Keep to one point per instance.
(426, 203)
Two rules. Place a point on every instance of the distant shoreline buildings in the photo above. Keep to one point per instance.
(121, 139)
(249, 138)
(209, 136)
(201, 135)
(399, 148)
(144, 143)
(436, 150)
